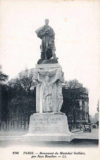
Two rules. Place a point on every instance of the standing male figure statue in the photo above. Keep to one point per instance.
(47, 35)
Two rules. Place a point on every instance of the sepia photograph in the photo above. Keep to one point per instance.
(49, 79)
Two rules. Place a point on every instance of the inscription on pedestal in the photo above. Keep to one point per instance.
(48, 123)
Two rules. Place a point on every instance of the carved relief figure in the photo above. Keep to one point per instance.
(47, 95)
(51, 89)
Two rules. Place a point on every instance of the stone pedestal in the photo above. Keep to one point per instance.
(49, 127)
(49, 123)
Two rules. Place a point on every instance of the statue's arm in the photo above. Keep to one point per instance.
(52, 33)
(39, 29)
(40, 32)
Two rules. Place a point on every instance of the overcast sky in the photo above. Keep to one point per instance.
(77, 28)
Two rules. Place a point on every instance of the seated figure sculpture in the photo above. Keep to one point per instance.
(47, 35)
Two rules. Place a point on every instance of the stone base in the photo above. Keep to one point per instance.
(50, 137)
(49, 127)
(48, 123)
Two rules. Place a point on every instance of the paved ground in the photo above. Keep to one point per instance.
(81, 139)
(88, 135)
(94, 134)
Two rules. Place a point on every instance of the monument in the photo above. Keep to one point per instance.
(47, 35)
(48, 122)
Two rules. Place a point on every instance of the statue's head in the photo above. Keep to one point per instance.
(46, 21)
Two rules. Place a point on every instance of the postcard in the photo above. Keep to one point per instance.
(49, 79)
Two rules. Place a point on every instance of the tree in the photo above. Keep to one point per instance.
(72, 84)
(24, 81)
(73, 94)
(21, 98)
(3, 77)
(3, 96)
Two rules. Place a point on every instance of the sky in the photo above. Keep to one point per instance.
(77, 38)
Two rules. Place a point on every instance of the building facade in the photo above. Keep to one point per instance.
(76, 106)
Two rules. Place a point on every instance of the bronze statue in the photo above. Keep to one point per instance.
(47, 35)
